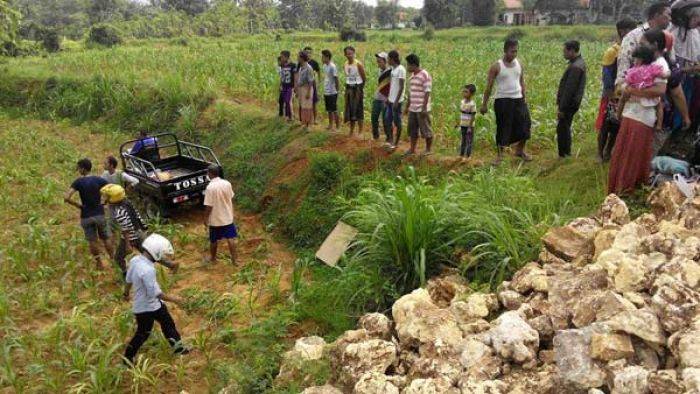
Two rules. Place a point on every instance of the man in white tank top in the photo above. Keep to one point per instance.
(512, 115)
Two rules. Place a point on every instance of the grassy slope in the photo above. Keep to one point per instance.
(279, 170)
(62, 325)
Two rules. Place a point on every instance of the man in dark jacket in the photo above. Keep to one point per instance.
(569, 95)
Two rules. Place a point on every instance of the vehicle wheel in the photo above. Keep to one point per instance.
(150, 209)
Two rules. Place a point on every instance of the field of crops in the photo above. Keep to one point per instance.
(63, 326)
(183, 75)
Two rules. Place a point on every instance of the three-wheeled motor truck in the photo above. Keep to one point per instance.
(171, 172)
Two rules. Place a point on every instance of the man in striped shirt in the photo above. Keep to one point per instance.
(133, 228)
(420, 85)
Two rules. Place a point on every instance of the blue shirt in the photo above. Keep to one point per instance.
(148, 142)
(89, 189)
(142, 276)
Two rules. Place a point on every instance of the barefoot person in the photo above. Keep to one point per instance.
(420, 85)
(569, 95)
(218, 200)
(317, 74)
(148, 306)
(305, 87)
(331, 86)
(287, 71)
(512, 115)
(396, 97)
(354, 91)
(92, 214)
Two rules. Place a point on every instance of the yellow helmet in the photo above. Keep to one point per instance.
(113, 194)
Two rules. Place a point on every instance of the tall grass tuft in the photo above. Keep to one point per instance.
(407, 227)
(488, 224)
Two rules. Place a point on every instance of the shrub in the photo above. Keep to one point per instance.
(104, 35)
(352, 34)
(429, 32)
(327, 169)
(51, 41)
(516, 34)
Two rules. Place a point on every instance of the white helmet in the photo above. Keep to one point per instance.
(158, 247)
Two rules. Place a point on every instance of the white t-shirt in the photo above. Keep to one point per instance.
(218, 196)
(330, 73)
(397, 73)
(142, 276)
(643, 109)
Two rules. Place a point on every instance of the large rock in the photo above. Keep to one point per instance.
(476, 306)
(675, 303)
(691, 380)
(631, 275)
(375, 383)
(631, 380)
(325, 389)
(310, 348)
(613, 211)
(513, 339)
(444, 289)
(664, 382)
(430, 386)
(568, 289)
(377, 325)
(510, 299)
(530, 277)
(421, 324)
(577, 370)
(571, 241)
(478, 361)
(641, 323)
(685, 345)
(355, 359)
(611, 346)
(665, 201)
(483, 387)
(295, 365)
(690, 213)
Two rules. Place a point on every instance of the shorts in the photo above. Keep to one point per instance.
(331, 102)
(419, 122)
(217, 233)
(95, 227)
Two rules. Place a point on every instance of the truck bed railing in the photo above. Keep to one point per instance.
(198, 152)
(138, 165)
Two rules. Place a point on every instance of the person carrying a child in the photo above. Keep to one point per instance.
(467, 109)
(645, 72)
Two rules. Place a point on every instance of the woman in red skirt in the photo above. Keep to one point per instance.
(631, 158)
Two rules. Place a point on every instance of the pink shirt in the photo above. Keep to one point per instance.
(219, 196)
(419, 84)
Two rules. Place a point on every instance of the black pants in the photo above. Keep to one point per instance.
(120, 255)
(606, 138)
(465, 148)
(564, 133)
(144, 326)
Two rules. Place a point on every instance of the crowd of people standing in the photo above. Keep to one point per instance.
(651, 95)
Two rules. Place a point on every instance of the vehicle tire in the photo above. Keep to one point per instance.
(149, 208)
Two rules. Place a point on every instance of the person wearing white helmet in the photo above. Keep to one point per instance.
(148, 305)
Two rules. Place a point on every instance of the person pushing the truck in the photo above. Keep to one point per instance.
(92, 215)
(116, 176)
(218, 200)
(148, 306)
(128, 220)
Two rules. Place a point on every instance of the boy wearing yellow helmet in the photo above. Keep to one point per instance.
(127, 218)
